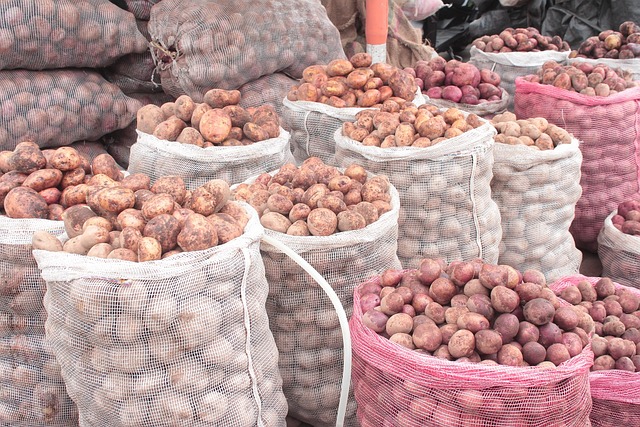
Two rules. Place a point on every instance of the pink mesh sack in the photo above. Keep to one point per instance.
(619, 254)
(46, 34)
(608, 130)
(395, 386)
(58, 107)
(616, 401)
(183, 341)
(537, 192)
(33, 392)
(202, 44)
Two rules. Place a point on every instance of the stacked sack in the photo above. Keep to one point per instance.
(329, 95)
(441, 163)
(599, 106)
(50, 94)
(536, 184)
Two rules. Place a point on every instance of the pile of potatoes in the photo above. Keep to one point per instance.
(475, 312)
(64, 33)
(456, 81)
(407, 125)
(627, 217)
(621, 44)
(353, 82)
(217, 121)
(520, 40)
(58, 107)
(137, 221)
(535, 132)
(316, 199)
(583, 77)
(615, 311)
(44, 183)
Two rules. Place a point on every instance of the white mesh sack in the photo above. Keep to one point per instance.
(304, 322)
(58, 107)
(537, 192)
(312, 125)
(510, 65)
(446, 208)
(619, 254)
(197, 165)
(630, 65)
(181, 341)
(202, 44)
(32, 392)
(47, 34)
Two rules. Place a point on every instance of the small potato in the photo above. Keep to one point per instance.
(215, 125)
(123, 254)
(43, 179)
(105, 164)
(24, 202)
(190, 136)
(74, 218)
(183, 108)
(111, 200)
(149, 249)
(129, 238)
(361, 60)
(65, 159)
(165, 229)
(538, 311)
(131, 218)
(298, 228)
(473, 322)
(339, 67)
(100, 250)
(504, 300)
(45, 241)
(157, 205)
(92, 235)
(461, 344)
(169, 129)
(488, 341)
(255, 132)
(427, 336)
(275, 221)
(237, 212)
(197, 114)
(510, 355)
(219, 98)
(349, 220)
(225, 226)
(173, 185)
(322, 222)
(148, 117)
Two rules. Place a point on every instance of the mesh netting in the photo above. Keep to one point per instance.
(486, 109)
(58, 107)
(312, 125)
(510, 65)
(630, 65)
(616, 401)
(537, 192)
(203, 44)
(395, 386)
(32, 392)
(141, 9)
(46, 34)
(196, 165)
(609, 131)
(446, 208)
(619, 254)
(180, 341)
(270, 89)
(309, 338)
(90, 149)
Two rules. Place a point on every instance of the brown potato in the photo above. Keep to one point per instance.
(322, 222)
(173, 185)
(165, 229)
(105, 164)
(73, 177)
(219, 98)
(45, 241)
(197, 233)
(159, 204)
(237, 212)
(27, 158)
(169, 129)
(74, 218)
(65, 159)
(100, 250)
(111, 200)
(148, 117)
(43, 179)
(129, 238)
(190, 136)
(225, 226)
(255, 132)
(131, 218)
(24, 202)
(136, 181)
(215, 125)
(183, 108)
(123, 254)
(149, 249)
(275, 221)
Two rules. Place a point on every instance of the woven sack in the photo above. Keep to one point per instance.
(619, 254)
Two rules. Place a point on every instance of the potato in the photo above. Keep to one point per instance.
(169, 129)
(100, 250)
(24, 202)
(219, 98)
(226, 227)
(131, 217)
(237, 212)
(510, 355)
(426, 336)
(149, 249)
(275, 221)
(488, 341)
(92, 235)
(165, 229)
(473, 322)
(111, 200)
(45, 241)
(210, 197)
(461, 344)
(504, 300)
(129, 238)
(42, 179)
(322, 222)
(123, 254)
(148, 117)
(105, 164)
(190, 136)
(157, 205)
(74, 218)
(171, 184)
(538, 311)
(27, 158)
(566, 318)
(350, 220)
